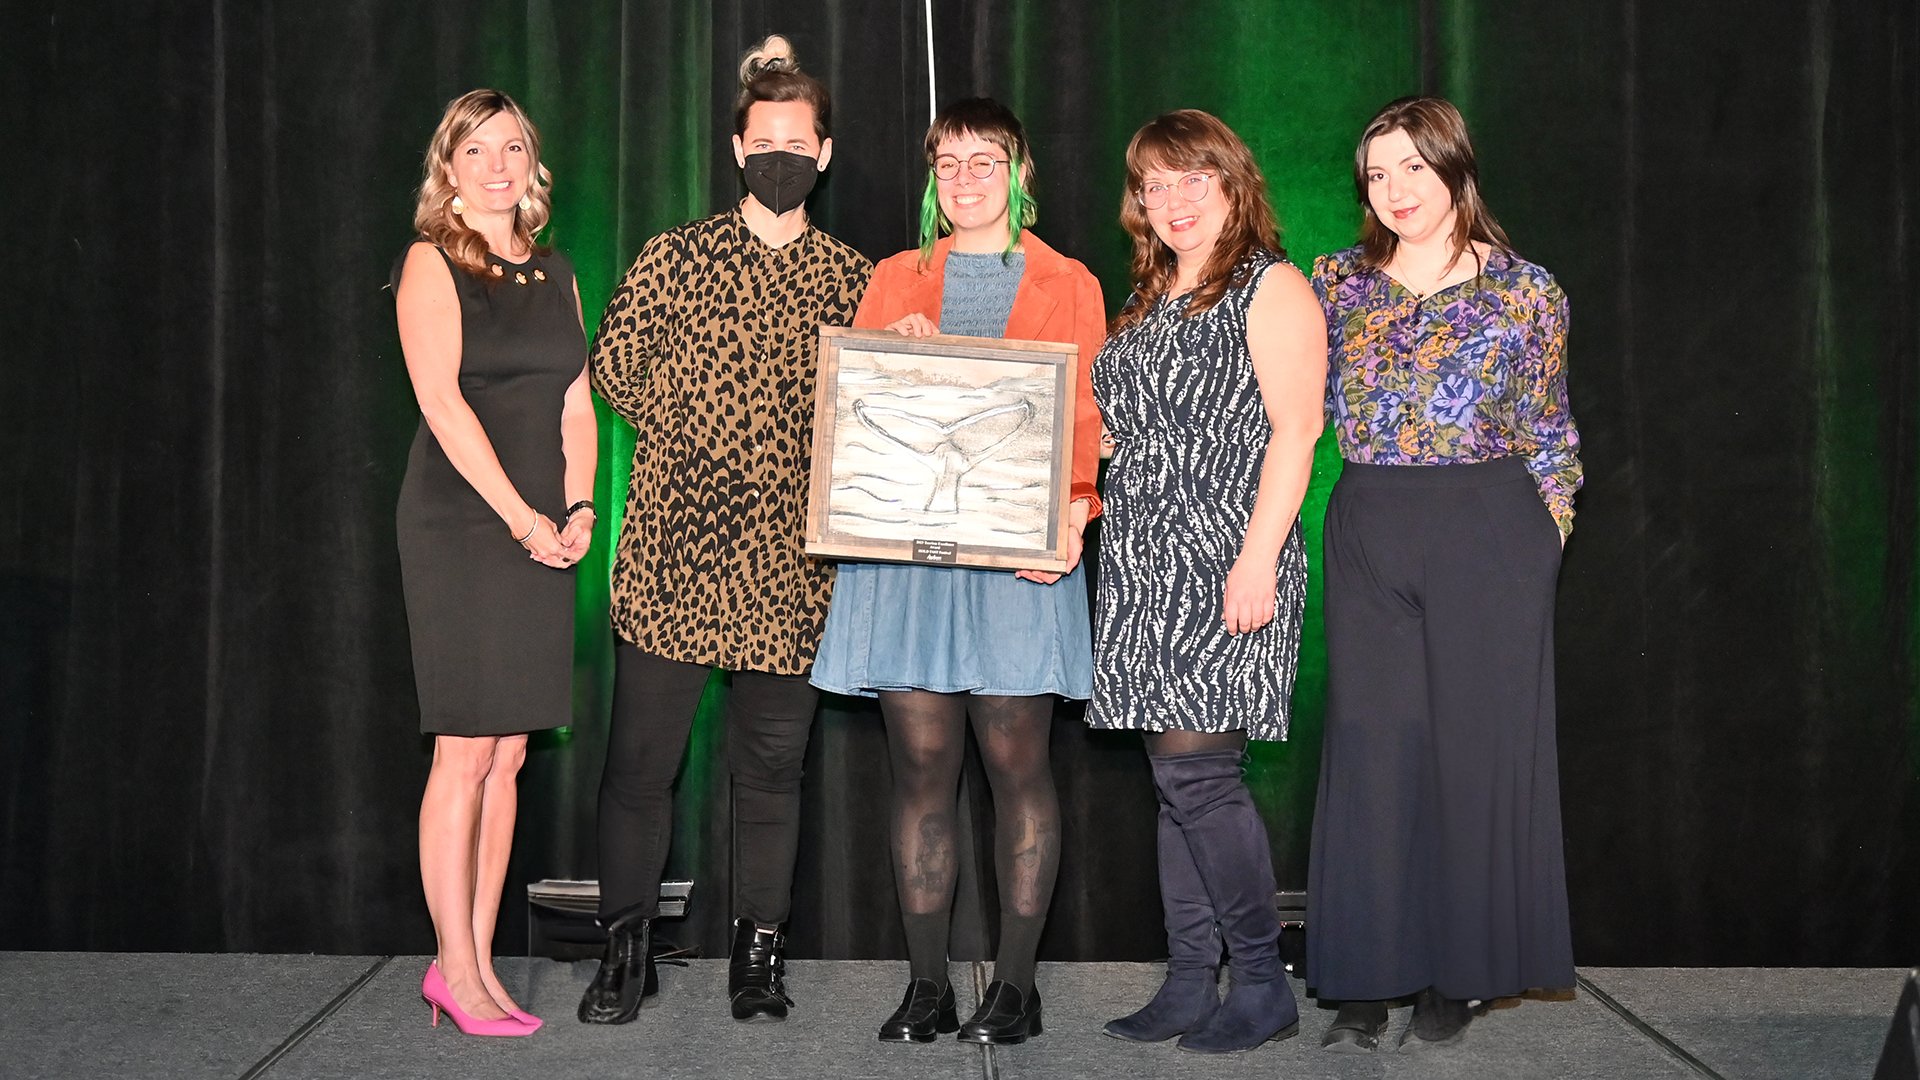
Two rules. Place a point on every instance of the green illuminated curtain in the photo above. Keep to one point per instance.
(641, 117)
(205, 698)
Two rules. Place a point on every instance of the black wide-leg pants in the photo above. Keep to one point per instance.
(1437, 857)
(769, 719)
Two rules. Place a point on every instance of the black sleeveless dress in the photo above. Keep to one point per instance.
(492, 630)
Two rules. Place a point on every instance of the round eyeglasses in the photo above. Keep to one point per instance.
(946, 166)
(1192, 188)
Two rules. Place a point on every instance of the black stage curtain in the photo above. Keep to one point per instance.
(209, 737)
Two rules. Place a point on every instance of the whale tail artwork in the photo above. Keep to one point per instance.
(948, 450)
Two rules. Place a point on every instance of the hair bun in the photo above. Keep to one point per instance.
(773, 54)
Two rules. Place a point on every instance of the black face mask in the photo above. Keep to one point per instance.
(780, 179)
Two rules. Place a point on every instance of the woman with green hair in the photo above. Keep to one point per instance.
(940, 644)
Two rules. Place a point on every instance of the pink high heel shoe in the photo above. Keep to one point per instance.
(433, 987)
(533, 1022)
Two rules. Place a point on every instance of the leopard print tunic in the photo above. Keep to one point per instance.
(709, 350)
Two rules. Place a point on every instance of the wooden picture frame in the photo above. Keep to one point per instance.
(945, 450)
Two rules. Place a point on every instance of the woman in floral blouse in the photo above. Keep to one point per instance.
(1437, 870)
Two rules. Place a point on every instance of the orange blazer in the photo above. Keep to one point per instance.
(1057, 300)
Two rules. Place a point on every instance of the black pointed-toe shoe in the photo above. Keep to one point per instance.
(1357, 1027)
(757, 973)
(1437, 1021)
(926, 1013)
(626, 976)
(1005, 1016)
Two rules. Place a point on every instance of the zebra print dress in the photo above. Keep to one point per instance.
(1190, 432)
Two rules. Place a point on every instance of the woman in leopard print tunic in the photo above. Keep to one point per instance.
(708, 349)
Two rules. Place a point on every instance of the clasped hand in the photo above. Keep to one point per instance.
(560, 547)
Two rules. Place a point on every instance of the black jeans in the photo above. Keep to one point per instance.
(769, 718)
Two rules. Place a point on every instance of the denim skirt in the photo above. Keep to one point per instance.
(953, 629)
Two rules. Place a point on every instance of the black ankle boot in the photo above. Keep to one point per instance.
(1437, 1021)
(757, 973)
(626, 976)
(925, 1013)
(1357, 1027)
(1005, 1017)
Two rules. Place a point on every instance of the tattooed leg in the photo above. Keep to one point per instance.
(928, 866)
(926, 738)
(1014, 734)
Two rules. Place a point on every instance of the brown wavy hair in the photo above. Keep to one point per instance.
(1440, 134)
(770, 72)
(433, 216)
(1188, 140)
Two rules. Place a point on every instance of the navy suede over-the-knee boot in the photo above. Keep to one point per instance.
(1192, 989)
(1211, 804)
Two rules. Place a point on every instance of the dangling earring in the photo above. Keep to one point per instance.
(526, 203)
(458, 206)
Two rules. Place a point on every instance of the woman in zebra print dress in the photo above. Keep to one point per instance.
(1212, 385)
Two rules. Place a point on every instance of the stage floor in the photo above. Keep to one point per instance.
(286, 1017)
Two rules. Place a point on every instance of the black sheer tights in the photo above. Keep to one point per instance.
(926, 740)
(1164, 743)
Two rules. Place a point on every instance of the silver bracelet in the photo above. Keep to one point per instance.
(531, 529)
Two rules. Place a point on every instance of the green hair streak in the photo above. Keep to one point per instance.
(1022, 210)
(932, 221)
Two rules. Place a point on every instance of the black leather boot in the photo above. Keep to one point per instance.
(1437, 1021)
(1357, 1027)
(626, 976)
(1006, 1017)
(925, 1013)
(757, 973)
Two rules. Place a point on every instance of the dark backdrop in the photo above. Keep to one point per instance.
(207, 728)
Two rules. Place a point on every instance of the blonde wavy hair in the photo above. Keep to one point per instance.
(433, 216)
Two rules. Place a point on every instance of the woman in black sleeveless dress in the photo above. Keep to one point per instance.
(1211, 386)
(491, 329)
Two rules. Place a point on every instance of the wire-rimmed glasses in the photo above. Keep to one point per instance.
(946, 166)
(1192, 188)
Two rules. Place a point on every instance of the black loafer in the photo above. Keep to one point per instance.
(926, 1013)
(1357, 1027)
(1006, 1017)
(1437, 1021)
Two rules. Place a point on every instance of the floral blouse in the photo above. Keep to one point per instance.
(1474, 372)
